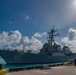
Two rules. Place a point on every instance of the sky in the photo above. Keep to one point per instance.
(29, 20)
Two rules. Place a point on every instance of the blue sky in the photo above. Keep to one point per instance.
(31, 16)
(24, 23)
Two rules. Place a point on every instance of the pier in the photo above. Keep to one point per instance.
(59, 70)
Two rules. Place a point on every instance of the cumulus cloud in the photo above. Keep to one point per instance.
(72, 34)
(3, 37)
(37, 35)
(70, 39)
(32, 44)
(16, 36)
(40, 35)
(8, 40)
(15, 40)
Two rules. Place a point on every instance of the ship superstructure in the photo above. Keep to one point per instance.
(51, 47)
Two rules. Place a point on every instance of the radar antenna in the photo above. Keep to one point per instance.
(51, 36)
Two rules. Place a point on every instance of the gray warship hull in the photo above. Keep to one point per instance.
(14, 57)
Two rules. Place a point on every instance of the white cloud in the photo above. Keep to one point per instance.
(3, 37)
(32, 44)
(72, 34)
(15, 40)
(25, 40)
(16, 36)
(40, 35)
(26, 16)
(19, 47)
(37, 35)
(70, 39)
(8, 40)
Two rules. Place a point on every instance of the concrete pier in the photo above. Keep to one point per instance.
(59, 70)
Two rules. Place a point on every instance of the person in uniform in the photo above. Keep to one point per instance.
(0, 66)
(75, 62)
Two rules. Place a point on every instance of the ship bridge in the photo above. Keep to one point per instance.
(51, 46)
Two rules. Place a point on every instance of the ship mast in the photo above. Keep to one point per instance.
(51, 36)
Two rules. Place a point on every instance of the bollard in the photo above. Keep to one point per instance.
(3, 72)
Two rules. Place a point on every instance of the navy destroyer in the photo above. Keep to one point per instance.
(50, 53)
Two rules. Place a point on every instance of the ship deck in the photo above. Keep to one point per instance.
(57, 70)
